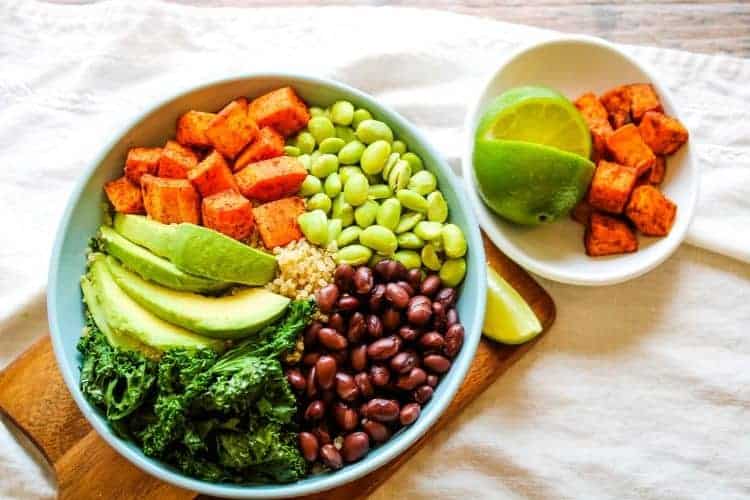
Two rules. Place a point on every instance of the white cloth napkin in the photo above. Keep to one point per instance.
(639, 391)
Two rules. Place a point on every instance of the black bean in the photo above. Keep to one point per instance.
(331, 339)
(430, 285)
(315, 410)
(409, 413)
(422, 394)
(331, 456)
(326, 298)
(363, 280)
(325, 369)
(436, 363)
(454, 339)
(308, 444)
(355, 446)
(342, 276)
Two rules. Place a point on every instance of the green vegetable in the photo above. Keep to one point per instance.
(342, 112)
(379, 238)
(310, 186)
(305, 142)
(292, 151)
(408, 222)
(453, 271)
(411, 200)
(356, 255)
(351, 153)
(331, 145)
(437, 208)
(359, 116)
(369, 131)
(348, 236)
(414, 161)
(332, 185)
(321, 128)
(324, 165)
(374, 157)
(356, 189)
(364, 215)
(399, 147)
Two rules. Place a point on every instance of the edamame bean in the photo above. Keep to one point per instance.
(314, 226)
(423, 182)
(359, 116)
(342, 112)
(332, 185)
(437, 208)
(306, 142)
(348, 171)
(331, 145)
(454, 241)
(342, 210)
(369, 131)
(412, 200)
(316, 111)
(392, 160)
(414, 161)
(334, 230)
(310, 186)
(319, 201)
(379, 238)
(372, 179)
(364, 215)
(430, 258)
(355, 189)
(408, 222)
(375, 156)
(314, 156)
(354, 255)
(399, 176)
(346, 133)
(351, 153)
(409, 258)
(452, 272)
(428, 230)
(399, 147)
(324, 165)
(321, 128)
(389, 213)
(348, 235)
(410, 241)
(379, 192)
(292, 151)
(305, 160)
(376, 257)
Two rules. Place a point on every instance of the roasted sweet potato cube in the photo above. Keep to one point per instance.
(125, 196)
(643, 99)
(232, 129)
(611, 186)
(268, 144)
(582, 212)
(663, 134)
(277, 221)
(627, 148)
(171, 200)
(607, 235)
(212, 175)
(271, 179)
(176, 160)
(596, 118)
(617, 104)
(657, 172)
(191, 129)
(228, 212)
(141, 161)
(651, 212)
(281, 109)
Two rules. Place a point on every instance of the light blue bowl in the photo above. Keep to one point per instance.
(83, 215)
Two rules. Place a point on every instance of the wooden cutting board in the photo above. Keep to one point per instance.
(34, 396)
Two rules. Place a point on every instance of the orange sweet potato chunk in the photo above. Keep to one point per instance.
(170, 200)
(271, 179)
(228, 212)
(611, 186)
(607, 235)
(212, 175)
(125, 196)
(141, 161)
(176, 160)
(643, 99)
(617, 104)
(277, 221)
(663, 134)
(191, 129)
(628, 148)
(281, 109)
(657, 172)
(652, 213)
(268, 144)
(232, 129)
(596, 118)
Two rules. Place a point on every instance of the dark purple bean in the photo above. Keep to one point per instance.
(337, 322)
(432, 380)
(439, 319)
(346, 418)
(296, 379)
(436, 363)
(340, 357)
(403, 362)
(411, 380)
(391, 319)
(451, 317)
(358, 358)
(430, 285)
(315, 410)
(454, 339)
(345, 387)
(414, 278)
(355, 446)
(419, 310)
(382, 410)
(384, 348)
(342, 276)
(348, 303)
(312, 388)
(331, 456)
(310, 358)
(382, 270)
(431, 341)
(311, 334)
(364, 385)
(396, 295)
(328, 397)
(409, 413)
(447, 297)
(379, 375)
(374, 326)
(331, 339)
(321, 432)
(397, 271)
(308, 444)
(422, 394)
(407, 287)
(327, 297)
(377, 298)
(378, 432)
(408, 333)
(363, 280)
(325, 369)
(357, 328)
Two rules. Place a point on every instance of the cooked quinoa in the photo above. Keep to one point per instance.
(303, 269)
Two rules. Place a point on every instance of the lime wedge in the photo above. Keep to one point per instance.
(508, 319)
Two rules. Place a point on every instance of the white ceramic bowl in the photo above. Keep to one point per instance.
(574, 65)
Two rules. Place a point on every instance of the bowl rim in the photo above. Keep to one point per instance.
(323, 482)
(495, 232)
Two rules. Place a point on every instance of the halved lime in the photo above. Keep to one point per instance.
(508, 319)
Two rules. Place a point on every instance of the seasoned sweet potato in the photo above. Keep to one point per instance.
(651, 212)
(627, 148)
(617, 104)
(125, 196)
(643, 98)
(268, 144)
(228, 212)
(232, 129)
(212, 175)
(191, 129)
(277, 221)
(611, 186)
(141, 161)
(281, 109)
(657, 172)
(596, 118)
(582, 212)
(271, 179)
(176, 160)
(607, 235)
(663, 134)
(171, 200)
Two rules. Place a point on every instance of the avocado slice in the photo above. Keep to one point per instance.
(199, 250)
(126, 317)
(153, 267)
(232, 316)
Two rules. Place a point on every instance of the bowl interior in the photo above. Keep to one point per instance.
(555, 251)
(83, 216)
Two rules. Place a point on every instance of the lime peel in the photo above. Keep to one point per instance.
(508, 318)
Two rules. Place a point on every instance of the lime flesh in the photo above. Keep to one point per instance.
(508, 319)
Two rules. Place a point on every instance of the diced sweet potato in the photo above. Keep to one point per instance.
(171, 200)
(125, 196)
(657, 172)
(611, 186)
(271, 179)
(191, 129)
(643, 98)
(651, 212)
(228, 212)
(627, 148)
(582, 212)
(212, 175)
(607, 235)
(268, 144)
(141, 161)
(176, 160)
(617, 104)
(596, 118)
(277, 221)
(663, 134)
(232, 129)
(281, 109)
